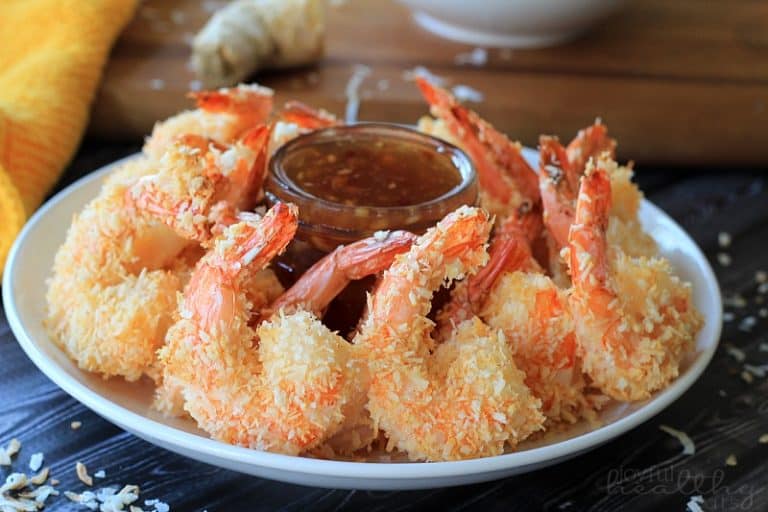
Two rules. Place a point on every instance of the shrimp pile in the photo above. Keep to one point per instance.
(558, 300)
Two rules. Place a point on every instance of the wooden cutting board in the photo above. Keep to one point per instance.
(681, 83)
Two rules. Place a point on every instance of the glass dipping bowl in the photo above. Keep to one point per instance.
(325, 224)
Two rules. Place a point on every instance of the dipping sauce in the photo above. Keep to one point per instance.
(372, 172)
(351, 181)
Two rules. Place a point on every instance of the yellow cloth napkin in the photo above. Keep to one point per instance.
(51, 57)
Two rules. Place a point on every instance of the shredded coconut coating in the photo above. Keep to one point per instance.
(285, 393)
(536, 319)
(636, 319)
(222, 116)
(111, 296)
(465, 400)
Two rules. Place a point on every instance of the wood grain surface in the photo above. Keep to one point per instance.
(682, 83)
(643, 470)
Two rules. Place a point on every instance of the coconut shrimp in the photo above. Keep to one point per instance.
(131, 250)
(284, 385)
(114, 282)
(466, 399)
(314, 291)
(222, 116)
(506, 179)
(199, 183)
(636, 319)
(559, 178)
(513, 294)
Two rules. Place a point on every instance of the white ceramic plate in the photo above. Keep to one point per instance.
(128, 405)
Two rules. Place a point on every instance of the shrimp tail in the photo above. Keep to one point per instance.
(502, 170)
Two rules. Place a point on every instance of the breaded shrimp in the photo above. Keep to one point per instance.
(223, 116)
(283, 394)
(506, 179)
(559, 182)
(636, 319)
(314, 291)
(512, 293)
(199, 183)
(284, 385)
(466, 399)
(114, 282)
(115, 278)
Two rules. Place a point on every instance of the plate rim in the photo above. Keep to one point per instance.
(180, 441)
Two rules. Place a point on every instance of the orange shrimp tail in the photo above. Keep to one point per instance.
(558, 185)
(501, 168)
(251, 100)
(591, 142)
(510, 251)
(200, 142)
(589, 230)
(307, 117)
(257, 247)
(319, 285)
(368, 257)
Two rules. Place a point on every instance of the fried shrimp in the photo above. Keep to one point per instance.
(512, 293)
(466, 399)
(314, 291)
(200, 184)
(282, 386)
(223, 116)
(506, 179)
(131, 249)
(114, 283)
(636, 319)
(561, 170)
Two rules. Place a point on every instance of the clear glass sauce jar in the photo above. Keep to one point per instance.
(351, 181)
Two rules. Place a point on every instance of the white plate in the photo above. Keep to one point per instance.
(128, 405)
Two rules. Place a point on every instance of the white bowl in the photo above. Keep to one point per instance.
(129, 405)
(510, 23)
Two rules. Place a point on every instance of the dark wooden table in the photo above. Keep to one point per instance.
(680, 83)
(642, 470)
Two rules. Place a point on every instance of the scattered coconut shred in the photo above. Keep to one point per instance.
(22, 493)
(352, 92)
(688, 447)
(694, 503)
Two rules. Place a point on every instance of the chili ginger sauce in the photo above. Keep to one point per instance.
(372, 172)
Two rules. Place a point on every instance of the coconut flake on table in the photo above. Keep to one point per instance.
(735, 353)
(157, 84)
(688, 447)
(747, 323)
(178, 17)
(351, 91)
(467, 93)
(694, 503)
(477, 57)
(757, 370)
(723, 239)
(724, 259)
(735, 300)
(36, 461)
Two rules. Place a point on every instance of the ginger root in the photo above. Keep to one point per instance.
(249, 35)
